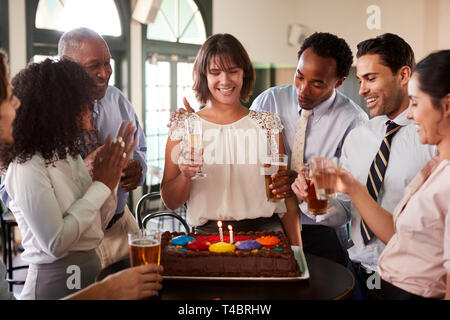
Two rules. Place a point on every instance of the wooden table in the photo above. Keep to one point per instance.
(328, 280)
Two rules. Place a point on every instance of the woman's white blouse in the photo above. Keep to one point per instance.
(233, 157)
(57, 207)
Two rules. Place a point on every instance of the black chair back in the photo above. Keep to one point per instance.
(159, 214)
(8, 222)
(144, 202)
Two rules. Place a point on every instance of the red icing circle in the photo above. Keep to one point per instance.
(198, 245)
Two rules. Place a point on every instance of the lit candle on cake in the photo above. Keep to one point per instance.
(230, 228)
(219, 224)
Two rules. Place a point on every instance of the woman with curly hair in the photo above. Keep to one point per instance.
(60, 210)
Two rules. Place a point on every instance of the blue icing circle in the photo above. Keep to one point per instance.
(181, 240)
(248, 245)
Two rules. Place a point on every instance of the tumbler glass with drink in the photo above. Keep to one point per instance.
(315, 206)
(273, 165)
(144, 247)
(324, 176)
(195, 142)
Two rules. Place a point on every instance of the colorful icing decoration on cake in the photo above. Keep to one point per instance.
(225, 260)
(268, 240)
(221, 247)
(198, 245)
(181, 240)
(248, 245)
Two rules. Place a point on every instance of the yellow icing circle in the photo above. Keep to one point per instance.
(221, 247)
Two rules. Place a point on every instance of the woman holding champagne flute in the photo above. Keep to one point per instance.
(232, 186)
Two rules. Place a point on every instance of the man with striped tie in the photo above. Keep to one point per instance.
(385, 154)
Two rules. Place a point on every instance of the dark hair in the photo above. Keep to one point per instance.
(328, 45)
(393, 50)
(226, 48)
(3, 76)
(434, 76)
(54, 94)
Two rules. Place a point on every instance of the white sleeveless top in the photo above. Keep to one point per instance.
(233, 157)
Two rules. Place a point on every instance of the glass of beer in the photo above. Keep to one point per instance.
(144, 247)
(315, 206)
(193, 126)
(323, 172)
(272, 165)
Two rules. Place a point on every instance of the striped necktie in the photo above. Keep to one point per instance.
(298, 147)
(377, 171)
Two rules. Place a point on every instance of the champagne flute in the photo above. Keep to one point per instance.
(193, 126)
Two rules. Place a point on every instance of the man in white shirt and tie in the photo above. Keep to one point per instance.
(317, 119)
(384, 155)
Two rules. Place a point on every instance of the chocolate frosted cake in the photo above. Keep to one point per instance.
(252, 254)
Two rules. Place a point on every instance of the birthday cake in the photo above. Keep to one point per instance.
(252, 254)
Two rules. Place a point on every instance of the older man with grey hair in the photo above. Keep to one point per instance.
(89, 49)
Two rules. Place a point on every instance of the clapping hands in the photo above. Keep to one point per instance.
(113, 156)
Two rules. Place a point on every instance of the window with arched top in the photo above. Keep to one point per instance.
(170, 46)
(48, 19)
(178, 21)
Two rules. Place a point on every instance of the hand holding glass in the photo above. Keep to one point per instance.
(324, 176)
(315, 206)
(273, 165)
(144, 247)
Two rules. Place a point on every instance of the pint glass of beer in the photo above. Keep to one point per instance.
(315, 206)
(272, 165)
(144, 247)
(323, 172)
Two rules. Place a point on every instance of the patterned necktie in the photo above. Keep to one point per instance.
(377, 171)
(299, 140)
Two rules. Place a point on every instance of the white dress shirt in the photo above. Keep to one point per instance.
(58, 208)
(327, 128)
(406, 158)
